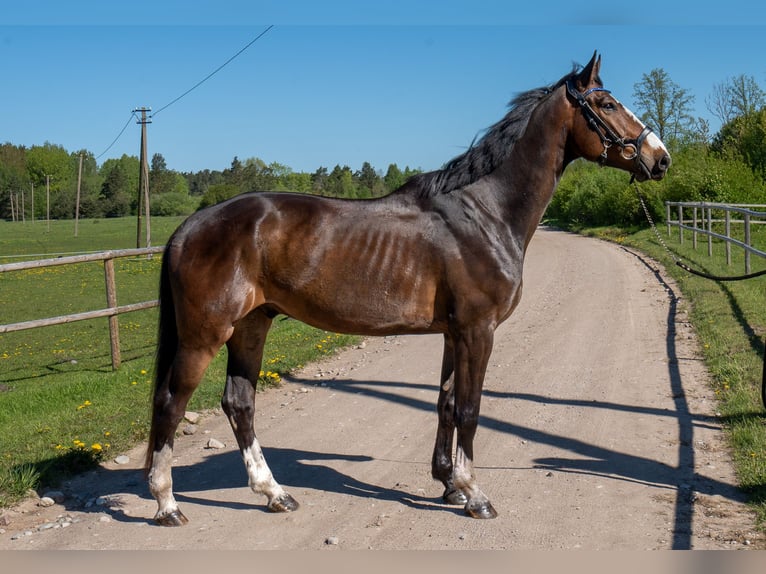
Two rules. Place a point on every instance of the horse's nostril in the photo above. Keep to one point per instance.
(665, 162)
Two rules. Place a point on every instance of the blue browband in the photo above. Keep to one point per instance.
(585, 94)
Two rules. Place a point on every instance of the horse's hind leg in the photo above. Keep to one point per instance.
(170, 400)
(238, 402)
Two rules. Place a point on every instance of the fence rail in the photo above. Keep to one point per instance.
(701, 223)
(111, 311)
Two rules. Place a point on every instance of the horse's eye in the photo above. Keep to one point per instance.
(608, 106)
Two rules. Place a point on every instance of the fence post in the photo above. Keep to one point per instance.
(710, 231)
(111, 302)
(747, 242)
(728, 236)
(694, 228)
(680, 224)
(667, 216)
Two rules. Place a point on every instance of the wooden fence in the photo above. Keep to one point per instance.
(699, 217)
(111, 311)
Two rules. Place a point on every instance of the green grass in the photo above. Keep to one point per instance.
(62, 408)
(730, 321)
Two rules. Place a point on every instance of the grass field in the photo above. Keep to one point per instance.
(62, 408)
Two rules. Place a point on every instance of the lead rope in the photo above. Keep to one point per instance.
(701, 274)
(680, 263)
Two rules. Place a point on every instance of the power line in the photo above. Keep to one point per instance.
(118, 136)
(195, 86)
(218, 69)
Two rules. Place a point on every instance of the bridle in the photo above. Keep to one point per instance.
(630, 148)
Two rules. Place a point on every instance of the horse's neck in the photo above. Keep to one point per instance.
(527, 180)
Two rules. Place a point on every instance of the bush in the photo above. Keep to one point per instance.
(218, 193)
(173, 203)
(589, 196)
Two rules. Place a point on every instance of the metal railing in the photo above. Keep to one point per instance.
(111, 311)
(698, 217)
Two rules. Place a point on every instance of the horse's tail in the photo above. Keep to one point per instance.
(167, 345)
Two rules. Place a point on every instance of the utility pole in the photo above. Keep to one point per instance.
(143, 180)
(48, 200)
(77, 202)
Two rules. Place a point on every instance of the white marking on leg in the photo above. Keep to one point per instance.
(259, 475)
(161, 481)
(462, 473)
(465, 480)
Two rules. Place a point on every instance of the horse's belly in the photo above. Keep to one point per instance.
(360, 305)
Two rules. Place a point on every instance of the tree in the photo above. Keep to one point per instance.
(665, 106)
(319, 180)
(90, 186)
(394, 177)
(217, 193)
(738, 96)
(340, 182)
(115, 192)
(13, 175)
(744, 137)
(119, 191)
(50, 160)
(368, 179)
(158, 163)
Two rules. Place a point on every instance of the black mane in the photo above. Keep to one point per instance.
(489, 152)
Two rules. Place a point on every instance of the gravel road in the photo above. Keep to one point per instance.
(597, 431)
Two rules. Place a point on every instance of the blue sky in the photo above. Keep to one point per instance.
(332, 83)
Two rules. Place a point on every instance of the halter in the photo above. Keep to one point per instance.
(630, 149)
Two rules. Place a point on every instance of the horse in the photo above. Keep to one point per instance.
(441, 254)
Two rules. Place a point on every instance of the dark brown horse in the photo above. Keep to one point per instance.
(442, 254)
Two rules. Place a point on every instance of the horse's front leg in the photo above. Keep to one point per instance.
(472, 349)
(441, 463)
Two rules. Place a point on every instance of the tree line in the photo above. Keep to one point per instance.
(728, 166)
(29, 176)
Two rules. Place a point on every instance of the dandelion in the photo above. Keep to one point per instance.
(96, 446)
(143, 371)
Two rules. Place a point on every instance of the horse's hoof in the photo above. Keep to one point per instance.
(175, 518)
(482, 509)
(284, 503)
(455, 497)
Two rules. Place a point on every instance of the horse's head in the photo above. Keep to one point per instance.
(605, 131)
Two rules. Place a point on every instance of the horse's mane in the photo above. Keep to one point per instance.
(484, 156)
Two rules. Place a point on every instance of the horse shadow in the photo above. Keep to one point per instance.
(296, 469)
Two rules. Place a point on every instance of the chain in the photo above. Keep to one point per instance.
(653, 226)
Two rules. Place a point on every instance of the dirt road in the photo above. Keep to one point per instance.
(597, 432)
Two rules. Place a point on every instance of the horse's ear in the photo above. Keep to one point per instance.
(589, 74)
